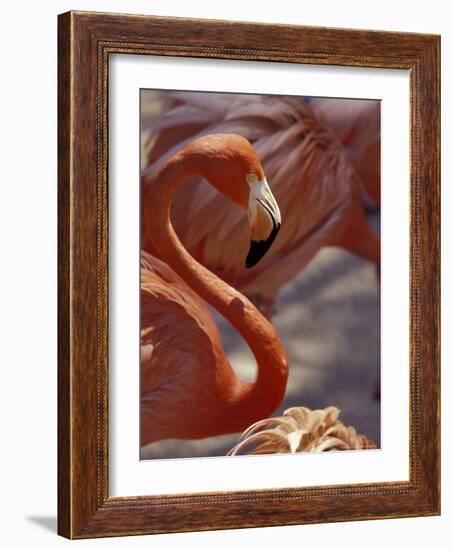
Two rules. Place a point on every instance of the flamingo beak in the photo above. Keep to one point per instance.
(265, 220)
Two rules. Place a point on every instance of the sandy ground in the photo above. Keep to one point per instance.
(329, 321)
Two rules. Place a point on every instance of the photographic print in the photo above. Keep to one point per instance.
(260, 274)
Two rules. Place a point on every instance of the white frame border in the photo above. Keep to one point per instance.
(130, 476)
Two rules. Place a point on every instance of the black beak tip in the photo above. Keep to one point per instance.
(258, 249)
(251, 260)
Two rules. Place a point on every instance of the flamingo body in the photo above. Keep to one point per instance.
(185, 375)
(356, 122)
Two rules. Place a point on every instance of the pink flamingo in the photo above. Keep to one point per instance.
(188, 388)
(356, 122)
(312, 177)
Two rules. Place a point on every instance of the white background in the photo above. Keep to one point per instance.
(28, 274)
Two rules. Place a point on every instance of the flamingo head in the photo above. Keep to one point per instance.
(264, 218)
(230, 163)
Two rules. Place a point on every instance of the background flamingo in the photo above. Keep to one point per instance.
(188, 387)
(314, 179)
(356, 122)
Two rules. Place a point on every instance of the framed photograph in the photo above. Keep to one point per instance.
(248, 267)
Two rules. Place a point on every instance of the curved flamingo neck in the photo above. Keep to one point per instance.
(249, 402)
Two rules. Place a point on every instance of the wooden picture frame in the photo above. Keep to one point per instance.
(85, 42)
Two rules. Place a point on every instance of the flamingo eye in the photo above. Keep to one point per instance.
(252, 178)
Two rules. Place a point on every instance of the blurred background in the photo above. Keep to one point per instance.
(327, 314)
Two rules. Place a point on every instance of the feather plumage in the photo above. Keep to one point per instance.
(301, 430)
(311, 176)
